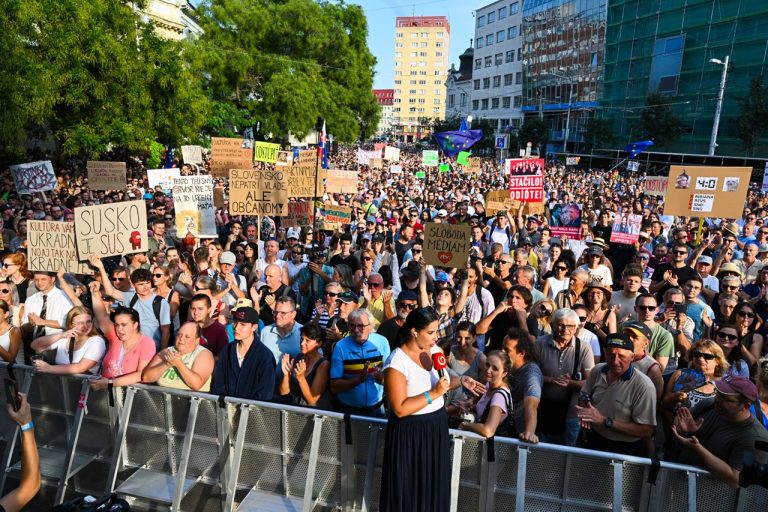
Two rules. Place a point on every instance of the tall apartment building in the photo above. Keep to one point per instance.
(497, 73)
(421, 67)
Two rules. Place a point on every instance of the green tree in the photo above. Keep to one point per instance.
(658, 122)
(754, 111)
(284, 64)
(598, 134)
(536, 131)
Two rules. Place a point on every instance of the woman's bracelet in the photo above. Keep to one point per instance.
(28, 426)
(429, 399)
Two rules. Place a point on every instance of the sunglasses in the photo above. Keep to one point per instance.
(331, 294)
(6, 265)
(680, 252)
(416, 251)
(582, 319)
(729, 337)
(704, 355)
(731, 287)
(560, 269)
(642, 257)
(158, 275)
(367, 258)
(672, 303)
(118, 279)
(647, 308)
(198, 289)
(5, 290)
(408, 306)
(746, 314)
(375, 285)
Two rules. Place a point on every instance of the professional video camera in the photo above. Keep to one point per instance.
(753, 472)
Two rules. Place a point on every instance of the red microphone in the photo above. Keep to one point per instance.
(438, 362)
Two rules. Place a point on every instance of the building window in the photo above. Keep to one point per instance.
(508, 79)
(463, 100)
(476, 85)
(499, 59)
(484, 104)
(514, 8)
(422, 82)
(495, 103)
(438, 82)
(497, 81)
(422, 54)
(491, 17)
(519, 78)
(399, 34)
(479, 42)
(481, 21)
(510, 56)
(489, 40)
(451, 101)
(487, 83)
(488, 61)
(519, 54)
(438, 54)
(512, 32)
(499, 36)
(475, 104)
(436, 101)
(502, 12)
(518, 101)
(424, 34)
(506, 101)
(397, 82)
(422, 100)
(440, 34)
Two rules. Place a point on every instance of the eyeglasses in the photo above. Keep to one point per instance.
(672, 303)
(357, 326)
(746, 314)
(726, 336)
(118, 279)
(642, 257)
(331, 294)
(647, 308)
(565, 327)
(731, 287)
(409, 307)
(704, 355)
(198, 289)
(281, 313)
(158, 275)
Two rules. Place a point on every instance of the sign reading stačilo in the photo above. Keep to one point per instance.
(106, 175)
(266, 152)
(229, 154)
(33, 177)
(526, 180)
(51, 246)
(258, 192)
(447, 245)
(111, 229)
(707, 191)
(194, 206)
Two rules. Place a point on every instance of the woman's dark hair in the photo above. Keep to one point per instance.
(735, 353)
(467, 326)
(450, 290)
(122, 310)
(386, 275)
(189, 260)
(740, 307)
(313, 332)
(425, 215)
(417, 319)
(524, 292)
(565, 261)
(568, 256)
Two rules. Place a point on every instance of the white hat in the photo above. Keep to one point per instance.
(293, 233)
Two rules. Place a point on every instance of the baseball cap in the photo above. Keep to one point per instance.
(347, 297)
(378, 237)
(595, 250)
(526, 241)
(366, 236)
(730, 385)
(639, 328)
(407, 295)
(763, 248)
(246, 314)
(227, 258)
(442, 213)
(705, 259)
(442, 277)
(293, 233)
(619, 340)
(243, 303)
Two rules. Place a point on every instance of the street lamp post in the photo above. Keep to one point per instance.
(719, 108)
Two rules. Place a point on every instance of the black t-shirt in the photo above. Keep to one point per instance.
(497, 291)
(603, 232)
(389, 329)
(401, 249)
(494, 338)
(266, 314)
(349, 261)
(682, 273)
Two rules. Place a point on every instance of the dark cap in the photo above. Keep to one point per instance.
(639, 328)
(619, 340)
(378, 238)
(595, 250)
(407, 295)
(737, 386)
(347, 297)
(246, 315)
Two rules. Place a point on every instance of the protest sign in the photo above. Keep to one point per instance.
(429, 157)
(473, 166)
(526, 180)
(572, 160)
(655, 185)
(391, 154)
(194, 206)
(33, 177)
(163, 178)
(301, 180)
(447, 245)
(300, 214)
(111, 229)
(633, 166)
(499, 201)
(626, 228)
(218, 197)
(463, 158)
(258, 192)
(396, 169)
(306, 157)
(764, 187)
(365, 157)
(565, 219)
(375, 163)
(526, 166)
(192, 154)
(340, 182)
(444, 168)
(229, 154)
(266, 152)
(378, 146)
(284, 158)
(51, 246)
(420, 175)
(106, 175)
(334, 217)
(707, 191)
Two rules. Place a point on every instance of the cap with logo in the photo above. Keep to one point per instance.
(619, 340)
(246, 315)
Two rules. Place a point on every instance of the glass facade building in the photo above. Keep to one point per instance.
(563, 44)
(665, 46)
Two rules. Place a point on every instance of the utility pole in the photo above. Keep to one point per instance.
(719, 108)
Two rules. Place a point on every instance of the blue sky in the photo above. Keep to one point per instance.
(381, 16)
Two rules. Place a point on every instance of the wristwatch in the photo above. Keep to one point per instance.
(608, 422)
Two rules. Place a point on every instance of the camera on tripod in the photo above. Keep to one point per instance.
(753, 472)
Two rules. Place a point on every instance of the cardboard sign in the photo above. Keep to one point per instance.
(463, 158)
(284, 158)
(565, 219)
(163, 178)
(192, 154)
(391, 154)
(473, 166)
(33, 177)
(194, 206)
(301, 180)
(51, 246)
(106, 175)
(376, 163)
(429, 158)
(447, 245)
(656, 185)
(365, 157)
(340, 182)
(499, 201)
(266, 152)
(704, 191)
(258, 192)
(626, 229)
(111, 229)
(307, 157)
(300, 214)
(218, 197)
(336, 216)
(229, 154)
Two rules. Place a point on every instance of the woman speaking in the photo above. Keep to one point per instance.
(416, 473)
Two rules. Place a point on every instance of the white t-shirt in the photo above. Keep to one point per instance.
(93, 349)
(587, 336)
(601, 273)
(417, 379)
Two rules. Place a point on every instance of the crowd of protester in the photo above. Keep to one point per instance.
(654, 348)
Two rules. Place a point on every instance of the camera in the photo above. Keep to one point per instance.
(753, 472)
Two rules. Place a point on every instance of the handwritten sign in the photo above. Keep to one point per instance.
(307, 157)
(364, 157)
(301, 180)
(34, 177)
(266, 152)
(473, 165)
(336, 216)
(51, 246)
(111, 229)
(162, 178)
(656, 185)
(429, 157)
(391, 154)
(340, 181)
(499, 201)
(714, 191)
(229, 154)
(218, 197)
(375, 163)
(300, 214)
(106, 175)
(447, 245)
(194, 207)
(258, 192)
(192, 154)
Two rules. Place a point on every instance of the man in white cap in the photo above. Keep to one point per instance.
(235, 285)
(711, 283)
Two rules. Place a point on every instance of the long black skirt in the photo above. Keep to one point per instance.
(417, 471)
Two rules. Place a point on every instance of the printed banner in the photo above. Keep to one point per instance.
(33, 177)
(364, 157)
(301, 180)
(429, 157)
(284, 158)
(106, 175)
(391, 154)
(266, 152)
(707, 191)
(192, 154)
(111, 229)
(565, 219)
(656, 185)
(335, 217)
(300, 214)
(163, 178)
(447, 245)
(51, 246)
(258, 192)
(626, 229)
(229, 154)
(194, 206)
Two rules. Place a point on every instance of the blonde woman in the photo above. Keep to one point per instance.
(79, 348)
(10, 294)
(694, 387)
(162, 282)
(542, 311)
(10, 335)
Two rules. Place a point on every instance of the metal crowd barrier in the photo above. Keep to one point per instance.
(191, 451)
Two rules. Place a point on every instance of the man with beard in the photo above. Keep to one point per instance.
(406, 302)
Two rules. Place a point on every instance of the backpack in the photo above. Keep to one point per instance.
(157, 304)
(507, 427)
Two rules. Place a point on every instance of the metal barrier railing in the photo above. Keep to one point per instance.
(163, 445)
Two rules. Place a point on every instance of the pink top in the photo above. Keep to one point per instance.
(116, 364)
(496, 399)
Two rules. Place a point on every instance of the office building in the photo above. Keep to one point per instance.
(386, 100)
(421, 67)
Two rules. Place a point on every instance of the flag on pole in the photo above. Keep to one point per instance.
(635, 148)
(322, 152)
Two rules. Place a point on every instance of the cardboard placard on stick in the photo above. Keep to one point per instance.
(626, 229)
(656, 185)
(106, 175)
(192, 154)
(447, 245)
(33, 177)
(430, 158)
(301, 180)
(707, 191)
(307, 157)
(334, 217)
(473, 165)
(229, 154)
(194, 206)
(51, 246)
(284, 158)
(111, 229)
(258, 192)
(266, 152)
(163, 178)
(219, 200)
(300, 214)
(340, 182)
